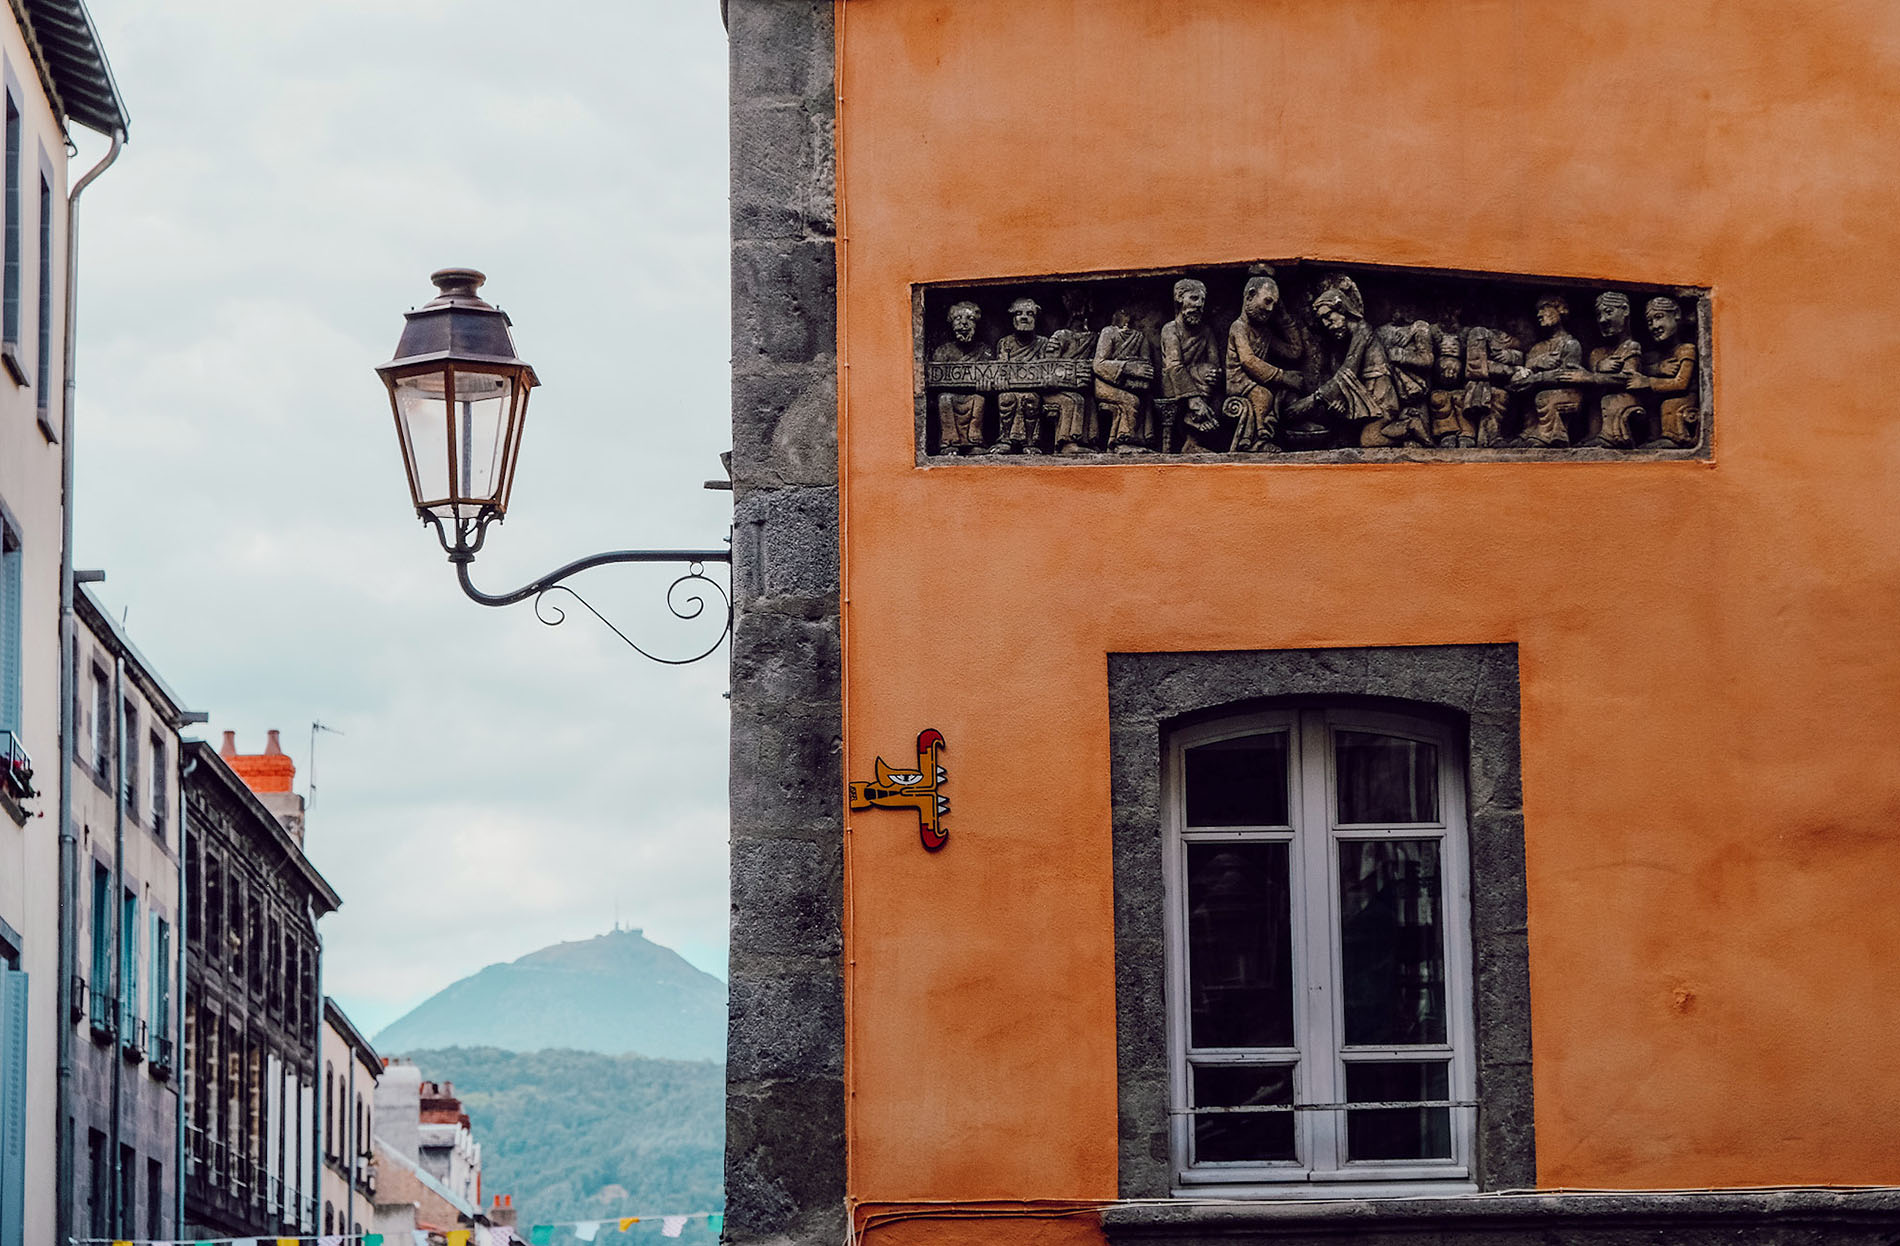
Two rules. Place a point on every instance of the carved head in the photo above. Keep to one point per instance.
(1022, 315)
(1613, 314)
(963, 318)
(1076, 304)
(1551, 310)
(1334, 312)
(1190, 300)
(1260, 298)
(1663, 317)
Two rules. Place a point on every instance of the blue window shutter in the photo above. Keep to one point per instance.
(12, 1107)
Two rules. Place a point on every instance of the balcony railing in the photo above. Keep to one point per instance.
(104, 1013)
(132, 1033)
(161, 1062)
(16, 768)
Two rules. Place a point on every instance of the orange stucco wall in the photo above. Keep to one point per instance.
(1711, 689)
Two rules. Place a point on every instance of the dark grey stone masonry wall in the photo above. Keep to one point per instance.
(1148, 693)
(785, 1141)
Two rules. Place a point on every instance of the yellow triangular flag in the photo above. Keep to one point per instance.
(122, 1244)
(627, 1222)
(288, 1241)
(459, 1238)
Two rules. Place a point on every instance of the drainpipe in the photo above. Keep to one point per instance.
(179, 1070)
(68, 685)
(349, 1169)
(119, 1209)
(314, 1195)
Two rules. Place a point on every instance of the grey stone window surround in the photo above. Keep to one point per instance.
(1150, 694)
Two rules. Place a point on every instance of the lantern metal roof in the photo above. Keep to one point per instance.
(73, 63)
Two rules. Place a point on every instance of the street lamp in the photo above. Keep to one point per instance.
(459, 394)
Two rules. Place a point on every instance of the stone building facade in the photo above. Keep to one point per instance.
(1355, 509)
(123, 1107)
(351, 1068)
(253, 1014)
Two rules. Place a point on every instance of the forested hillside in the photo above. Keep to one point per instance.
(579, 1135)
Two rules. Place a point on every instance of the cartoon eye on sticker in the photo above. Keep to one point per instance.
(906, 778)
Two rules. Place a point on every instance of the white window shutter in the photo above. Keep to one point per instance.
(12, 1106)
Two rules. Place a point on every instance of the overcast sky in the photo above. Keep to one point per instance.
(295, 172)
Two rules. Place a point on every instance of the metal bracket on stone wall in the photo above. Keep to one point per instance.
(916, 790)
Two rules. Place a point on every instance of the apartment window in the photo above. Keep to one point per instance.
(161, 790)
(154, 1200)
(11, 557)
(257, 953)
(102, 992)
(329, 1110)
(128, 1190)
(130, 794)
(43, 397)
(194, 894)
(214, 908)
(1317, 854)
(129, 964)
(234, 940)
(101, 723)
(161, 985)
(10, 280)
(1317, 902)
(101, 1183)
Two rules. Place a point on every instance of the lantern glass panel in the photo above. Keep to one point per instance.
(458, 446)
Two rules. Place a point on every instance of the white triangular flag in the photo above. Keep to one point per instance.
(330, 1239)
(419, 1236)
(586, 1230)
(670, 1226)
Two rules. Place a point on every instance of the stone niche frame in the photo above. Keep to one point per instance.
(1452, 301)
(1475, 686)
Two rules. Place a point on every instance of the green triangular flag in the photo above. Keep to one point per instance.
(372, 1239)
(716, 1222)
(541, 1234)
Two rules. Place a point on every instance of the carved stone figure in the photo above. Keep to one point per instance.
(1614, 364)
(1070, 412)
(960, 415)
(1253, 342)
(1451, 428)
(1669, 372)
(1358, 389)
(1019, 412)
(1411, 345)
(1124, 373)
(1491, 357)
(1190, 373)
(1552, 371)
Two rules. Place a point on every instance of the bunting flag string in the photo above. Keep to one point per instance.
(671, 1224)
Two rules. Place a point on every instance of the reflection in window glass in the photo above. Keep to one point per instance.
(1238, 782)
(1386, 779)
(1226, 1137)
(1240, 945)
(1392, 941)
(1398, 1133)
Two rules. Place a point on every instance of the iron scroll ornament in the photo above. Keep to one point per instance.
(690, 606)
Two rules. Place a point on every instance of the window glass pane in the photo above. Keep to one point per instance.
(1398, 1133)
(1385, 779)
(1392, 941)
(1227, 1137)
(1238, 782)
(1240, 956)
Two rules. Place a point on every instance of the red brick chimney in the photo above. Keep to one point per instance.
(269, 774)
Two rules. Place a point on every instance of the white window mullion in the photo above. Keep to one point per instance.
(1319, 959)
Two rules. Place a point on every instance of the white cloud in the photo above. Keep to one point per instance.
(294, 174)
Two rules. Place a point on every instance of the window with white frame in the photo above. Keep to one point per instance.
(1319, 952)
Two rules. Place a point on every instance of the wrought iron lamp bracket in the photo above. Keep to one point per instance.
(687, 604)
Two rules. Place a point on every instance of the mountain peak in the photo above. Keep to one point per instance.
(616, 993)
